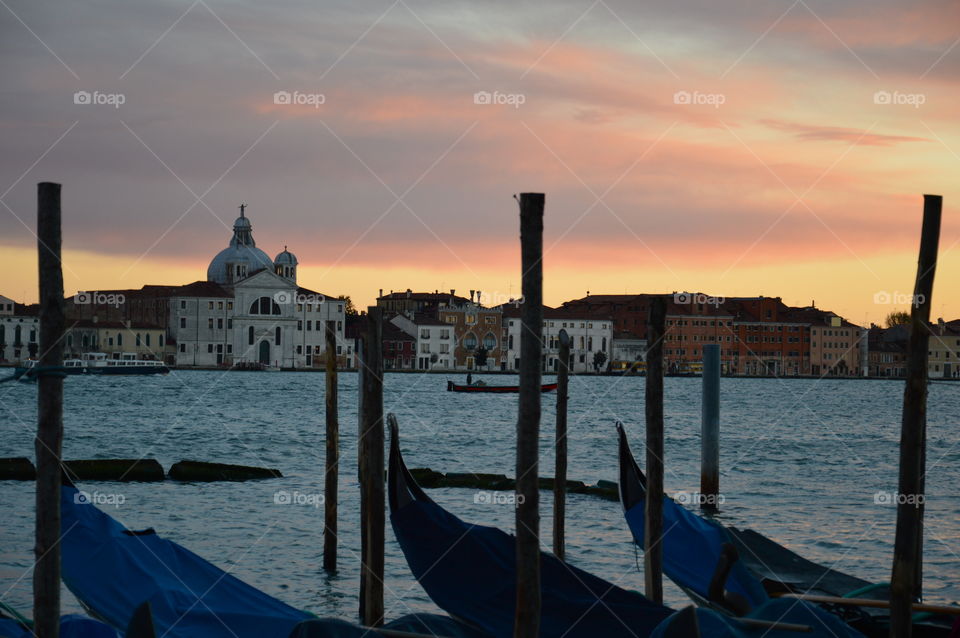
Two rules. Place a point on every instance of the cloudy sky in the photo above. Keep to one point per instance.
(737, 148)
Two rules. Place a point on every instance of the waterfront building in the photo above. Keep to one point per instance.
(19, 330)
(629, 353)
(590, 332)
(434, 340)
(475, 330)
(943, 360)
(250, 309)
(427, 303)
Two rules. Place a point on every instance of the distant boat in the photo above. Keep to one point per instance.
(98, 363)
(481, 387)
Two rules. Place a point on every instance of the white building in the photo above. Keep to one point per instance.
(19, 328)
(252, 310)
(249, 310)
(588, 335)
(435, 340)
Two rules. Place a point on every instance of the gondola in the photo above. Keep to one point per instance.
(453, 387)
(146, 586)
(469, 571)
(761, 567)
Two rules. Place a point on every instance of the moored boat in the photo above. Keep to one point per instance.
(97, 363)
(481, 387)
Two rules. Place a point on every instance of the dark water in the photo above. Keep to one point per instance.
(802, 461)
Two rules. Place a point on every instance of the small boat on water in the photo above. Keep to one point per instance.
(482, 387)
(98, 363)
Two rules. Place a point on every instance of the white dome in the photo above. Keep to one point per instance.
(241, 258)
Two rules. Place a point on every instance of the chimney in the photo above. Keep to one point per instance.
(409, 293)
(381, 292)
(471, 295)
(941, 325)
(453, 292)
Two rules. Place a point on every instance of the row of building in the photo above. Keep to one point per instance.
(250, 311)
(758, 336)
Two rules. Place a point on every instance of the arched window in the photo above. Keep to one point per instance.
(264, 306)
(138, 339)
(119, 338)
(69, 341)
(86, 340)
(33, 335)
(16, 336)
(3, 335)
(148, 339)
(250, 335)
(489, 341)
(470, 341)
(277, 340)
(160, 340)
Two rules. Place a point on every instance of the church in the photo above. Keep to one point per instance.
(250, 311)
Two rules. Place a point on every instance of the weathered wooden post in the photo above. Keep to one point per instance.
(372, 476)
(361, 463)
(527, 613)
(710, 428)
(331, 476)
(560, 464)
(907, 560)
(653, 515)
(49, 441)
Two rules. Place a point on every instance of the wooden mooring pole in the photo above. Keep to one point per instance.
(907, 559)
(332, 439)
(49, 441)
(372, 472)
(710, 429)
(527, 613)
(560, 463)
(653, 514)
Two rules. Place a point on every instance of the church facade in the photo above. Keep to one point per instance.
(249, 311)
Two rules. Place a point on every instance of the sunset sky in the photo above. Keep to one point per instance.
(735, 148)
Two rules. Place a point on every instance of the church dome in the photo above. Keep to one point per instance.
(286, 258)
(241, 258)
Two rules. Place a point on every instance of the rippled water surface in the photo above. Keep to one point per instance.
(802, 461)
